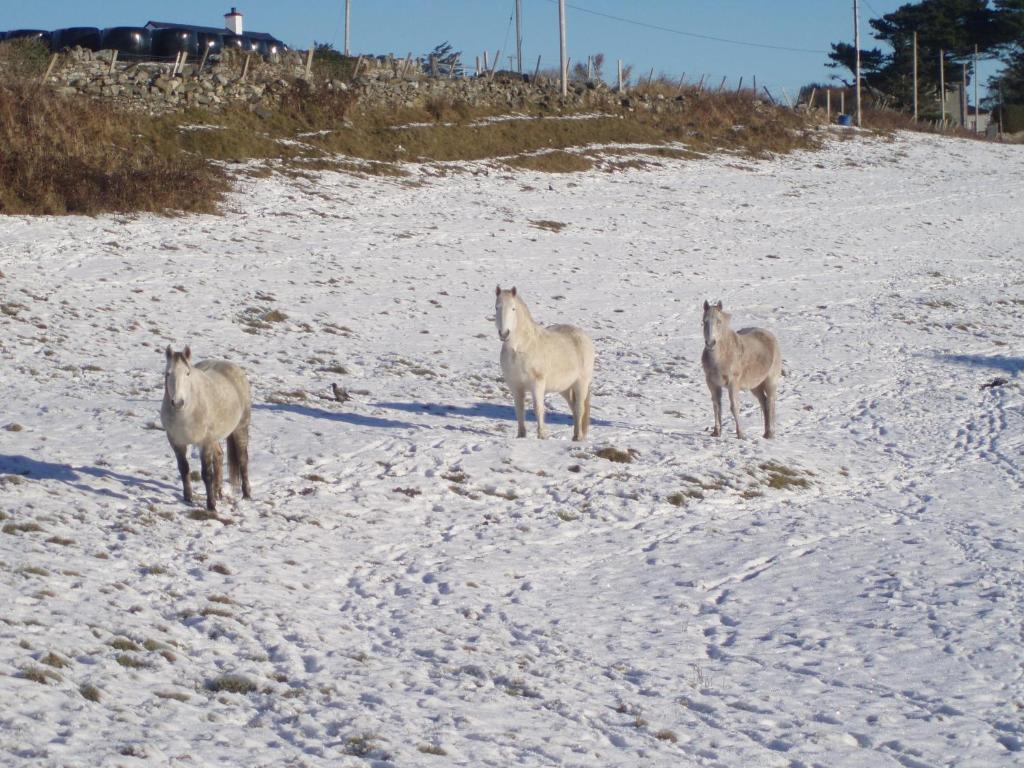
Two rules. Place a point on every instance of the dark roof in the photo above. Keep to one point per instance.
(209, 30)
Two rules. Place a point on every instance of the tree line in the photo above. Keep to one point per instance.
(952, 27)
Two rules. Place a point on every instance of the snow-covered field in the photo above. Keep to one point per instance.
(412, 586)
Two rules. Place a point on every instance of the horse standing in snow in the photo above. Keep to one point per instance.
(749, 359)
(203, 404)
(559, 358)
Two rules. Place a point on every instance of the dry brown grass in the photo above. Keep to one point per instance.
(75, 155)
(62, 155)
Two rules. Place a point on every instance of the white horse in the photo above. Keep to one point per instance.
(559, 358)
(203, 404)
(749, 359)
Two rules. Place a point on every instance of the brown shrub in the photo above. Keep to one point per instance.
(69, 155)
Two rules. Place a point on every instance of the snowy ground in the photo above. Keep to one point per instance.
(411, 586)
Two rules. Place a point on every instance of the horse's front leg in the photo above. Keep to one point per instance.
(519, 400)
(716, 405)
(538, 408)
(181, 454)
(208, 457)
(734, 406)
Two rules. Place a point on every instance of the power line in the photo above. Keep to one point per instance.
(670, 30)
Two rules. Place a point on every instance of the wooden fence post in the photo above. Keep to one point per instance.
(769, 94)
(202, 63)
(309, 61)
(245, 67)
(359, 63)
(739, 86)
(536, 71)
(49, 68)
(113, 63)
(828, 106)
(619, 66)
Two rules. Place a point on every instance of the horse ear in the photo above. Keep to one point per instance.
(188, 354)
(706, 305)
(168, 352)
(513, 290)
(497, 290)
(719, 304)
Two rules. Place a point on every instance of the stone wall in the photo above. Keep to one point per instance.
(380, 82)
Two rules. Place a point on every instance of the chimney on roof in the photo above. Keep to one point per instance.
(233, 21)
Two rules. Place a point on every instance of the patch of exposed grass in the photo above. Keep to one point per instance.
(41, 675)
(16, 528)
(432, 749)
(124, 644)
(53, 660)
(666, 735)
(781, 477)
(90, 692)
(131, 662)
(551, 226)
(175, 695)
(260, 318)
(556, 161)
(231, 683)
(615, 454)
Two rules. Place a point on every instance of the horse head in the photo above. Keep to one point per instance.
(178, 377)
(716, 322)
(505, 312)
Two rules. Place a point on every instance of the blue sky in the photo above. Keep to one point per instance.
(401, 26)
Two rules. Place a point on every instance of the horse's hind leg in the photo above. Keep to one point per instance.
(238, 459)
(181, 454)
(574, 407)
(770, 391)
(578, 401)
(760, 392)
(585, 421)
(734, 406)
(208, 458)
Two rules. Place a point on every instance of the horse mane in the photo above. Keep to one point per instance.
(525, 309)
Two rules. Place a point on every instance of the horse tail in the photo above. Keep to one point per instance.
(234, 460)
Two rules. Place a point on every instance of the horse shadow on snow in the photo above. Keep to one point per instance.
(488, 411)
(65, 473)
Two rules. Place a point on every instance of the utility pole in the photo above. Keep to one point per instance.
(348, 8)
(976, 105)
(563, 64)
(942, 86)
(519, 36)
(915, 77)
(856, 45)
(963, 96)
